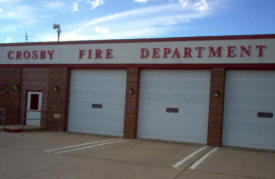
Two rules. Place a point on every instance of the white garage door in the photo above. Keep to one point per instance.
(97, 101)
(174, 105)
(249, 109)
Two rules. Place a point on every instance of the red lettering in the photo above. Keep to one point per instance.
(50, 54)
(31, 54)
(176, 53)
(42, 54)
(245, 50)
(144, 53)
(199, 49)
(260, 49)
(27, 55)
(10, 55)
(215, 53)
(231, 51)
(109, 54)
(98, 53)
(166, 51)
(156, 53)
(81, 54)
(187, 52)
(90, 53)
(18, 55)
(35, 54)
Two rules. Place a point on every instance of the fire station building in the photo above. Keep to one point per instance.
(217, 90)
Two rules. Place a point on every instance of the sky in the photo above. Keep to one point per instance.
(132, 19)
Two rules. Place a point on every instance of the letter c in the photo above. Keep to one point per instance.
(10, 55)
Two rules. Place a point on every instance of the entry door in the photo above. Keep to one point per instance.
(34, 102)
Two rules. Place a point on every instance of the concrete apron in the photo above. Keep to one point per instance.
(164, 154)
(126, 159)
(235, 163)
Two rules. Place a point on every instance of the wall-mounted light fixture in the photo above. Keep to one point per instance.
(16, 87)
(131, 91)
(216, 93)
(56, 89)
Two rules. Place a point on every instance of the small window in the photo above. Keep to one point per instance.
(34, 102)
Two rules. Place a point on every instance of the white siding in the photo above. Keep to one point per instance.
(105, 87)
(187, 90)
(246, 94)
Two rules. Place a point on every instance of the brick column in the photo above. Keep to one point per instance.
(131, 104)
(58, 99)
(215, 119)
(9, 97)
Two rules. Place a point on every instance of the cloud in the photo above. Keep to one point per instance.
(6, 1)
(75, 6)
(135, 14)
(16, 16)
(95, 3)
(101, 30)
(8, 40)
(1, 9)
(184, 3)
(54, 5)
(9, 28)
(141, 1)
(23, 12)
(202, 5)
(149, 21)
(129, 33)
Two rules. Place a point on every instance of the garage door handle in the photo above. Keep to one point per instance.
(265, 114)
(172, 110)
(98, 106)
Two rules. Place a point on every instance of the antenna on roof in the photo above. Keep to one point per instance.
(57, 26)
(26, 37)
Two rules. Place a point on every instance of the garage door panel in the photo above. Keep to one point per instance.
(97, 101)
(246, 94)
(162, 89)
(100, 126)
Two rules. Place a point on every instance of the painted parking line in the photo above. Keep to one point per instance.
(91, 146)
(197, 163)
(79, 145)
(188, 157)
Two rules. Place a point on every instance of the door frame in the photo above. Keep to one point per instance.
(26, 103)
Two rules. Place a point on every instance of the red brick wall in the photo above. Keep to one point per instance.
(58, 101)
(10, 99)
(216, 104)
(35, 79)
(131, 106)
(55, 104)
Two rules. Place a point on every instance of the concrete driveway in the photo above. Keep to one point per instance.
(75, 156)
